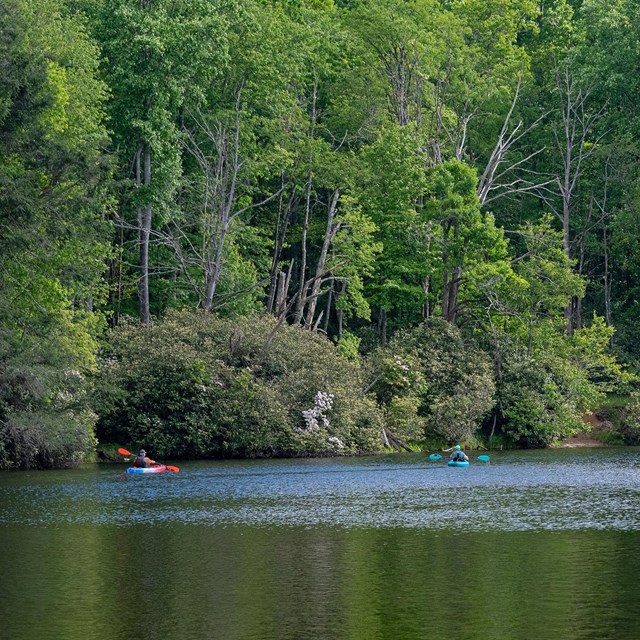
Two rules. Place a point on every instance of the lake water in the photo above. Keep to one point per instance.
(533, 545)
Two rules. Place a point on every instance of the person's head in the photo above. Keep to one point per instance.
(457, 447)
(142, 452)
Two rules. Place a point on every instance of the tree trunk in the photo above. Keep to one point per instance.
(329, 235)
(282, 225)
(327, 311)
(606, 276)
(114, 279)
(450, 294)
(382, 327)
(144, 225)
(566, 243)
(302, 292)
(340, 312)
(391, 439)
(451, 276)
(578, 122)
(303, 252)
(426, 284)
(281, 305)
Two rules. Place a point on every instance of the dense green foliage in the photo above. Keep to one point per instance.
(197, 385)
(452, 380)
(446, 190)
(53, 241)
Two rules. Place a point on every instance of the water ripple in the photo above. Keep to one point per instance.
(517, 491)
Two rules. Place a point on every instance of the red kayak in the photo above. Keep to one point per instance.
(156, 468)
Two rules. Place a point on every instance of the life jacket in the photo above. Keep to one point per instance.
(141, 461)
(458, 456)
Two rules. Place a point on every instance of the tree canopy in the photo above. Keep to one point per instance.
(439, 190)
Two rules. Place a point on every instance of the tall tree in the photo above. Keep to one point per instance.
(53, 241)
(159, 55)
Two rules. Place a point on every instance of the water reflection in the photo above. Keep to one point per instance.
(533, 545)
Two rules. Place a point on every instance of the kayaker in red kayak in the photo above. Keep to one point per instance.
(141, 460)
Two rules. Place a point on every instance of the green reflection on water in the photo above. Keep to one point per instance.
(79, 582)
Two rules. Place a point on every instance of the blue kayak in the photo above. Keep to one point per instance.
(458, 463)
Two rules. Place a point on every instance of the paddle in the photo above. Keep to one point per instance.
(124, 452)
(484, 458)
(434, 456)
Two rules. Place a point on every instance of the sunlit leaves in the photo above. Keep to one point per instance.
(53, 240)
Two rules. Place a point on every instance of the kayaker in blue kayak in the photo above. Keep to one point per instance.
(141, 460)
(458, 455)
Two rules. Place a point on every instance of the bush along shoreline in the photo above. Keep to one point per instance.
(197, 385)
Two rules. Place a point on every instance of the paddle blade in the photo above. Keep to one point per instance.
(124, 452)
(484, 458)
(435, 456)
(173, 469)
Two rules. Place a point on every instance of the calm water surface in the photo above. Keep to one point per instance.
(534, 545)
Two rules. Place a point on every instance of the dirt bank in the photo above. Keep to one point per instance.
(589, 438)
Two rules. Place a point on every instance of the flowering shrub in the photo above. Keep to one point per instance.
(430, 379)
(323, 402)
(317, 421)
(197, 385)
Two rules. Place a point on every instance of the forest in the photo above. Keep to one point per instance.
(244, 228)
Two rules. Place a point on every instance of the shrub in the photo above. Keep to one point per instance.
(544, 391)
(629, 424)
(451, 379)
(45, 417)
(197, 385)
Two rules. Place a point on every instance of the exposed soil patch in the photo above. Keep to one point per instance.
(589, 438)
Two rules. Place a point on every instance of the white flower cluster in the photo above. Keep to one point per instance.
(404, 368)
(323, 402)
(333, 440)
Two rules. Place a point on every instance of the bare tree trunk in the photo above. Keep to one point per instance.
(327, 310)
(284, 280)
(493, 426)
(114, 279)
(577, 125)
(426, 310)
(307, 210)
(227, 201)
(382, 327)
(340, 312)
(144, 212)
(399, 67)
(392, 440)
(605, 245)
(426, 284)
(438, 125)
(577, 301)
(303, 251)
(282, 224)
(500, 176)
(606, 276)
(216, 147)
(329, 235)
